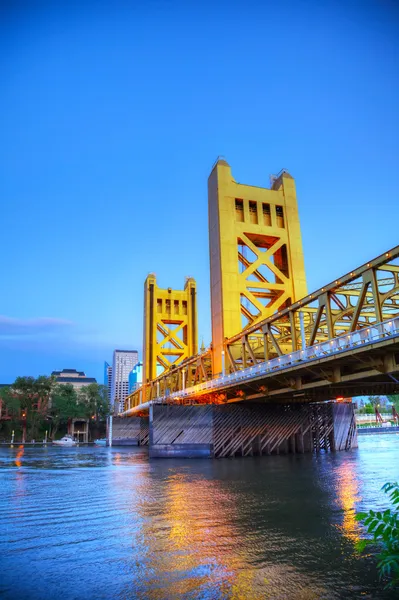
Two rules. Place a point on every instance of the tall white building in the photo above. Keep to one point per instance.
(123, 363)
(108, 380)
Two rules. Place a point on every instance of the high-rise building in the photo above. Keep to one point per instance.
(123, 363)
(108, 379)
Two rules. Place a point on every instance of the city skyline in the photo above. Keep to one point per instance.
(101, 172)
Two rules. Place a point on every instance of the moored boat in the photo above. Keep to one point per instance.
(101, 442)
(67, 440)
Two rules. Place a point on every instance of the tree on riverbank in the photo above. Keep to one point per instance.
(64, 406)
(384, 529)
(10, 404)
(95, 398)
(34, 395)
(394, 399)
(90, 402)
(27, 400)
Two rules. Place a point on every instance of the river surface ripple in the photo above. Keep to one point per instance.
(93, 523)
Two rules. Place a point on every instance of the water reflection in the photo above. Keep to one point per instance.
(348, 497)
(18, 458)
(130, 528)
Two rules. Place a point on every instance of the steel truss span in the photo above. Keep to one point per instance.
(342, 339)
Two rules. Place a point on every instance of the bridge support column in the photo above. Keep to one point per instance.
(344, 433)
(131, 431)
(250, 429)
(181, 431)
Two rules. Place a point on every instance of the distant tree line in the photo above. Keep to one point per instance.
(34, 404)
(374, 402)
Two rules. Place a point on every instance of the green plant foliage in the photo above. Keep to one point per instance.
(383, 527)
(94, 399)
(367, 409)
(11, 402)
(394, 399)
(33, 395)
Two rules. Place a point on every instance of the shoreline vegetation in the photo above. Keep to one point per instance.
(40, 408)
(382, 529)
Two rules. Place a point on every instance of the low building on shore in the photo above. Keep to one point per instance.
(76, 378)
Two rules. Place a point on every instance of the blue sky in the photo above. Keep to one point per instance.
(112, 114)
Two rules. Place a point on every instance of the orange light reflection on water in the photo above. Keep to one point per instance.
(347, 497)
(19, 455)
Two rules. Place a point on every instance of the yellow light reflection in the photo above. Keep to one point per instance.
(348, 496)
(192, 537)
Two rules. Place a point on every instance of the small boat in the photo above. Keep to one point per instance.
(67, 440)
(101, 442)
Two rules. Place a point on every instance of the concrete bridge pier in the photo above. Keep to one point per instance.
(250, 429)
(132, 431)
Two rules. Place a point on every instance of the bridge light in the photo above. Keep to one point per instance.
(339, 398)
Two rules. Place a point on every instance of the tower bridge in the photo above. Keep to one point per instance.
(279, 357)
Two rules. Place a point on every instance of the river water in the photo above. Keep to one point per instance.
(93, 523)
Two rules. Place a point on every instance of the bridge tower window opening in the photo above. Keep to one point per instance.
(280, 216)
(267, 218)
(239, 210)
(253, 212)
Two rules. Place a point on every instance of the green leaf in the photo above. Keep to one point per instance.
(361, 516)
(361, 545)
(373, 525)
(379, 530)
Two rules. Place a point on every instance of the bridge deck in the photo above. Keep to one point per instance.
(360, 363)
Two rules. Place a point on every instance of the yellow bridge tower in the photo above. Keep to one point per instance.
(170, 326)
(256, 257)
